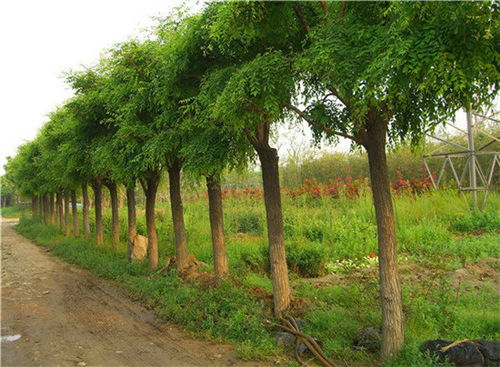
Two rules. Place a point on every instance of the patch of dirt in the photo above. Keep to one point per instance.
(484, 271)
(67, 317)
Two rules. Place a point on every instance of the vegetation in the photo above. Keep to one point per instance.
(206, 93)
(329, 242)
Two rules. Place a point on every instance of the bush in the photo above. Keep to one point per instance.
(247, 222)
(306, 259)
(314, 232)
(255, 259)
(479, 221)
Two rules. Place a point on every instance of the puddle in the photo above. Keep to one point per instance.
(10, 338)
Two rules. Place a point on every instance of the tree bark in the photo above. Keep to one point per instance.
(272, 198)
(150, 188)
(33, 207)
(74, 210)
(43, 205)
(132, 221)
(97, 187)
(52, 216)
(46, 203)
(181, 251)
(113, 193)
(67, 228)
(40, 208)
(217, 226)
(85, 212)
(59, 209)
(390, 288)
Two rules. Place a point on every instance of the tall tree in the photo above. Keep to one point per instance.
(373, 71)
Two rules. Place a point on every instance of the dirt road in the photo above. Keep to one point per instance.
(54, 314)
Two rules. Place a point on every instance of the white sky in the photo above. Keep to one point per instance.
(41, 39)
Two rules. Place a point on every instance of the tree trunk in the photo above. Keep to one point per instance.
(97, 187)
(46, 209)
(40, 208)
(59, 209)
(52, 215)
(67, 228)
(85, 213)
(150, 189)
(113, 193)
(132, 222)
(272, 197)
(390, 288)
(74, 210)
(217, 226)
(33, 207)
(181, 251)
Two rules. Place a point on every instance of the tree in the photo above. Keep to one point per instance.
(131, 82)
(374, 71)
(91, 134)
(208, 152)
(382, 71)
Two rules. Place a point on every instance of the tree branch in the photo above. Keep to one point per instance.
(195, 76)
(320, 125)
(324, 6)
(342, 11)
(251, 138)
(302, 18)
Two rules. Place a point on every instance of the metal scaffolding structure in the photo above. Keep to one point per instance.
(472, 173)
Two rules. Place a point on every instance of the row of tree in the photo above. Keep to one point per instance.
(206, 92)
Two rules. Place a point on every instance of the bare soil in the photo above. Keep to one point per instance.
(67, 317)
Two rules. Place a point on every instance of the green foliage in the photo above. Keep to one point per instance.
(248, 221)
(306, 260)
(479, 221)
(15, 211)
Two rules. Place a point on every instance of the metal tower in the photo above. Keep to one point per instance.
(472, 168)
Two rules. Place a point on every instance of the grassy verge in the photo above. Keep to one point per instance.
(15, 211)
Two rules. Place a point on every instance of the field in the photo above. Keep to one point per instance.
(449, 260)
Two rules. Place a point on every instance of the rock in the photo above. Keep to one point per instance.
(490, 350)
(285, 339)
(170, 262)
(302, 348)
(368, 339)
(470, 353)
(139, 247)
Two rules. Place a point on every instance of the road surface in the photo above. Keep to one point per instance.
(55, 314)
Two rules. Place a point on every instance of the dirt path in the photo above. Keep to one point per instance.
(67, 317)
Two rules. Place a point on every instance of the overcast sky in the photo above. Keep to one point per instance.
(41, 39)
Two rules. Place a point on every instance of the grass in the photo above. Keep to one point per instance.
(15, 211)
(436, 236)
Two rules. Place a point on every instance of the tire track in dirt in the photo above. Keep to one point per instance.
(68, 317)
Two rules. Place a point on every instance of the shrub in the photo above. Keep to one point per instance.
(314, 232)
(255, 259)
(485, 221)
(247, 222)
(306, 259)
